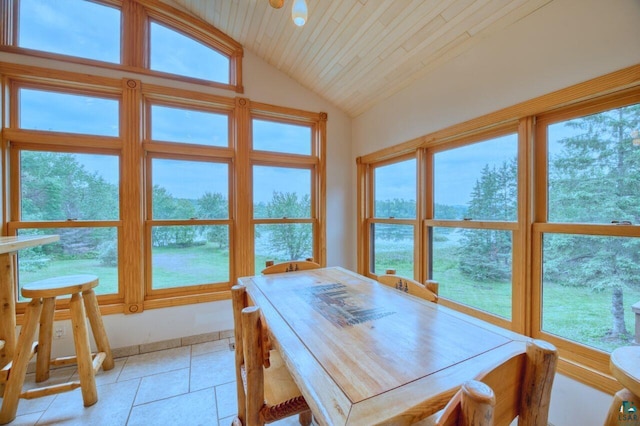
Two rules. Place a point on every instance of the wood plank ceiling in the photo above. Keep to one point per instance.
(356, 53)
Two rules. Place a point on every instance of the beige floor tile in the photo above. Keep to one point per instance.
(212, 369)
(206, 347)
(227, 421)
(38, 405)
(106, 377)
(27, 419)
(112, 409)
(190, 385)
(226, 399)
(163, 385)
(193, 409)
(137, 366)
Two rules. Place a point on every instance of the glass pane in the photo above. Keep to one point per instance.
(189, 255)
(473, 267)
(205, 128)
(395, 190)
(62, 112)
(393, 249)
(281, 137)
(190, 189)
(588, 287)
(178, 54)
(477, 181)
(70, 27)
(61, 186)
(280, 192)
(79, 251)
(282, 242)
(594, 168)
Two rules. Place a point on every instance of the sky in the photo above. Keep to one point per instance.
(92, 30)
(455, 171)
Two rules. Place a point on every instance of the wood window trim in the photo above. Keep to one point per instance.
(314, 162)
(133, 96)
(586, 365)
(136, 15)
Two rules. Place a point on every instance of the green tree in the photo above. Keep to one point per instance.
(294, 240)
(485, 255)
(397, 208)
(56, 186)
(165, 206)
(214, 206)
(596, 179)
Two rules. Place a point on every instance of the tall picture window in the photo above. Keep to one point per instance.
(475, 211)
(67, 182)
(285, 196)
(589, 227)
(394, 217)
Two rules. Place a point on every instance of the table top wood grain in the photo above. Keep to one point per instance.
(11, 244)
(363, 353)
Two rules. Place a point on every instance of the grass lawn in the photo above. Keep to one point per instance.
(575, 313)
(171, 267)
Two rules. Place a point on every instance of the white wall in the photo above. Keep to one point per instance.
(262, 83)
(564, 43)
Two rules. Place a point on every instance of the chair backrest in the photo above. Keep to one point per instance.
(429, 291)
(290, 266)
(520, 386)
(265, 390)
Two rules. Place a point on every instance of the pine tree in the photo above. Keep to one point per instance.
(596, 179)
(485, 255)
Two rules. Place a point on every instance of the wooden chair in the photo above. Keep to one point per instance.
(429, 291)
(266, 391)
(290, 266)
(518, 387)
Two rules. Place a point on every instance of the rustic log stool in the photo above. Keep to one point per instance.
(42, 306)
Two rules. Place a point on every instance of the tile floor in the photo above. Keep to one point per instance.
(188, 385)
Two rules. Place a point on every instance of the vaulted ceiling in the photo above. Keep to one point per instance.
(356, 53)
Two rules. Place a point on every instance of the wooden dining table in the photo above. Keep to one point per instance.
(363, 353)
(9, 246)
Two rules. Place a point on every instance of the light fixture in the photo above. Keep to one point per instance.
(299, 12)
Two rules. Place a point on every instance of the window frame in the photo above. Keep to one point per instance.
(315, 163)
(572, 352)
(133, 147)
(584, 364)
(136, 16)
(515, 227)
(372, 219)
(52, 141)
(153, 149)
(150, 223)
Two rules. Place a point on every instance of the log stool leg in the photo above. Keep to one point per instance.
(83, 350)
(20, 361)
(97, 327)
(43, 358)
